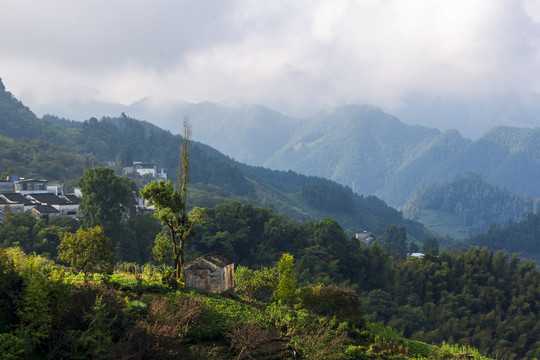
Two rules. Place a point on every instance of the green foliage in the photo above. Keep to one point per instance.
(133, 311)
(330, 197)
(171, 210)
(321, 343)
(32, 235)
(94, 342)
(162, 248)
(35, 301)
(431, 245)
(11, 347)
(88, 250)
(287, 320)
(257, 285)
(96, 321)
(475, 202)
(330, 300)
(219, 315)
(394, 240)
(107, 199)
(286, 287)
(520, 237)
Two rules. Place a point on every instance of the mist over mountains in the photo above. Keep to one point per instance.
(359, 146)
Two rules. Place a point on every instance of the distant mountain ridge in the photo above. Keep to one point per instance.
(362, 147)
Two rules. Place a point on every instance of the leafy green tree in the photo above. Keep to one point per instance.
(394, 240)
(162, 248)
(87, 250)
(286, 287)
(107, 199)
(171, 206)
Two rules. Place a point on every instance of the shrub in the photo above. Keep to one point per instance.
(11, 347)
(133, 311)
(256, 285)
(329, 300)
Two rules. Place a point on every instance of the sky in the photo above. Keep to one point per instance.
(296, 57)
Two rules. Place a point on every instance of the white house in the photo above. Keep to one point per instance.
(143, 169)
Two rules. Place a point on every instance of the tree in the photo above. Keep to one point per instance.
(107, 199)
(87, 250)
(394, 240)
(431, 245)
(171, 206)
(286, 287)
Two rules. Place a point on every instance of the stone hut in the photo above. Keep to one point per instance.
(211, 273)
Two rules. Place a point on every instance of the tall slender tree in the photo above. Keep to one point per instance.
(171, 205)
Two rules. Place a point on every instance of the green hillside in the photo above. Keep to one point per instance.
(516, 237)
(138, 315)
(466, 205)
(359, 146)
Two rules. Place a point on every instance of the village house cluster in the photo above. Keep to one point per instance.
(37, 197)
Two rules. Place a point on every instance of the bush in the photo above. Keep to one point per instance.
(134, 310)
(329, 300)
(11, 347)
(256, 285)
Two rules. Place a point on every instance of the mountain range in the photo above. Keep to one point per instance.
(59, 149)
(358, 146)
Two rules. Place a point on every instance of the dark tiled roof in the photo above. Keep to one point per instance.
(74, 199)
(45, 209)
(48, 198)
(215, 259)
(16, 198)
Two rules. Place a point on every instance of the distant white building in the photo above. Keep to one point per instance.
(364, 238)
(143, 169)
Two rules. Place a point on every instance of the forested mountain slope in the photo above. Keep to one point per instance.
(216, 178)
(515, 237)
(360, 146)
(468, 203)
(380, 155)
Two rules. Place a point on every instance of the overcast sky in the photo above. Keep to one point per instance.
(293, 56)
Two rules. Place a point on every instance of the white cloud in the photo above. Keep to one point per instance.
(288, 54)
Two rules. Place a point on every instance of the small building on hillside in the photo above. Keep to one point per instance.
(30, 186)
(143, 169)
(44, 212)
(212, 273)
(63, 204)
